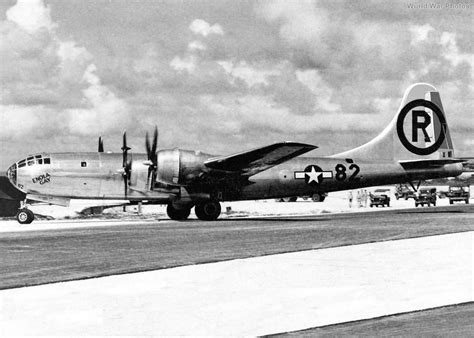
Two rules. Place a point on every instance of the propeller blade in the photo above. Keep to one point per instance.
(147, 144)
(126, 164)
(152, 158)
(155, 140)
(101, 145)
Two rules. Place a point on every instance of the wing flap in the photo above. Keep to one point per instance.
(251, 162)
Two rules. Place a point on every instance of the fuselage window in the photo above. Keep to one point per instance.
(21, 164)
(38, 156)
(47, 161)
(31, 162)
(40, 161)
(83, 164)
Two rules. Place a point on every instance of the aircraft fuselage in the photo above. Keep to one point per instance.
(100, 176)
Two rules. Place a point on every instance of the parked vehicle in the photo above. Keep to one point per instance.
(403, 191)
(380, 197)
(458, 194)
(317, 197)
(425, 196)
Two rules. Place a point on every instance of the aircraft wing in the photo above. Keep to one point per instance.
(251, 162)
(423, 164)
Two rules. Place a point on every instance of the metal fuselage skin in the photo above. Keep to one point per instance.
(100, 176)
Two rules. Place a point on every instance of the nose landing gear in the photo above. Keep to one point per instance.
(25, 216)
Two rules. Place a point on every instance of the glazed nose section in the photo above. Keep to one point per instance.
(12, 174)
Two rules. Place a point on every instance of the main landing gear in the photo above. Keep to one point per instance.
(208, 210)
(177, 214)
(25, 216)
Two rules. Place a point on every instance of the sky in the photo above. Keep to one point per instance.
(225, 76)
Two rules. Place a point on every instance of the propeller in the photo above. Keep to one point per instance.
(126, 164)
(101, 145)
(152, 159)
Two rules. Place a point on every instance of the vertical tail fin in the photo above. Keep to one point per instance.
(418, 131)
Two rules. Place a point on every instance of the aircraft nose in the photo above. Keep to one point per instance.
(12, 175)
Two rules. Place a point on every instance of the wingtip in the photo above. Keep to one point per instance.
(299, 144)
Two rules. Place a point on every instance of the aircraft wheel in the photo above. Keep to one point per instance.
(467, 201)
(25, 216)
(208, 210)
(177, 214)
(450, 202)
(318, 197)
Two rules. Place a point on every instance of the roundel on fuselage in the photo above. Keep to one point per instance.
(421, 127)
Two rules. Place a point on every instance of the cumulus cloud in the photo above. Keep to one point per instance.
(31, 15)
(203, 28)
(53, 81)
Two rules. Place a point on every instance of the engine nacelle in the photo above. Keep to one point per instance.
(177, 166)
(169, 166)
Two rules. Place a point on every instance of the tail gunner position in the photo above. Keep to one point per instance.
(416, 145)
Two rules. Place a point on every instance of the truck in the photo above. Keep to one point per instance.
(458, 194)
(380, 197)
(403, 191)
(425, 196)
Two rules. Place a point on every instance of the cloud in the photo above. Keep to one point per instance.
(203, 28)
(31, 15)
(52, 80)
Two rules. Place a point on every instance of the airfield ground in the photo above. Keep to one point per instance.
(288, 272)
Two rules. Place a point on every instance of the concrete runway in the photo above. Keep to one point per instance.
(39, 257)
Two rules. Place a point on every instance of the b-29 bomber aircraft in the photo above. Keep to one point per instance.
(416, 145)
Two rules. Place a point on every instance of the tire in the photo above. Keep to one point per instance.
(318, 197)
(177, 214)
(467, 201)
(208, 210)
(450, 201)
(289, 199)
(25, 216)
(416, 205)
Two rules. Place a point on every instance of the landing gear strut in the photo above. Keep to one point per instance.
(208, 210)
(177, 214)
(25, 216)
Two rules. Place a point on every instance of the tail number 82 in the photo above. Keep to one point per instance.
(341, 169)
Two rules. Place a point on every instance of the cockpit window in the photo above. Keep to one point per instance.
(31, 160)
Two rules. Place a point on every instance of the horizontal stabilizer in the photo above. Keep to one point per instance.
(428, 164)
(251, 162)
